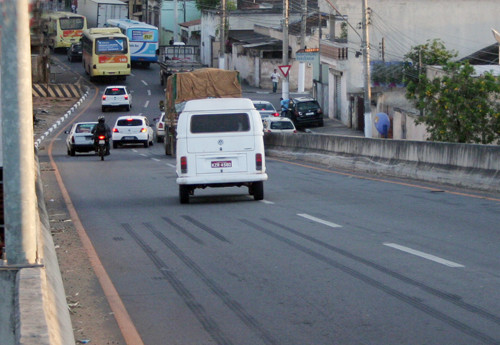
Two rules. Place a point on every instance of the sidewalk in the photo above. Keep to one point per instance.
(332, 126)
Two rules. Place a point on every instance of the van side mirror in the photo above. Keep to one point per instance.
(162, 105)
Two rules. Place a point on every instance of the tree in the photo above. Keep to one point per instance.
(207, 4)
(431, 53)
(459, 106)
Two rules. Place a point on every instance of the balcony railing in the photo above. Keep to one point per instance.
(336, 50)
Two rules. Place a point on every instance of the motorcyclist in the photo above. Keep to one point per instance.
(101, 129)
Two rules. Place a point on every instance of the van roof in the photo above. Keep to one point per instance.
(210, 104)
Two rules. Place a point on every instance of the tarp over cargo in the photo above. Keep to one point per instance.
(202, 83)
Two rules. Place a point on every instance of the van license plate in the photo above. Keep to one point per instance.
(222, 164)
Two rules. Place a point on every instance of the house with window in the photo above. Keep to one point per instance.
(394, 26)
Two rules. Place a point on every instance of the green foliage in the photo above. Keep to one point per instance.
(207, 4)
(431, 53)
(343, 30)
(387, 74)
(459, 107)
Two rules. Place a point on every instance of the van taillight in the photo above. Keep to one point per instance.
(258, 161)
(103, 97)
(184, 165)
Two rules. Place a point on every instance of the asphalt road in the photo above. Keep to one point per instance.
(329, 257)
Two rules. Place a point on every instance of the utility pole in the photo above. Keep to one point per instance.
(285, 85)
(366, 63)
(222, 50)
(303, 28)
(20, 202)
(176, 24)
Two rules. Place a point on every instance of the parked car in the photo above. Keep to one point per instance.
(278, 125)
(75, 52)
(115, 97)
(304, 112)
(132, 129)
(160, 128)
(80, 138)
(266, 109)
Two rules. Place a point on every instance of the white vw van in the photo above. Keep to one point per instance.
(220, 144)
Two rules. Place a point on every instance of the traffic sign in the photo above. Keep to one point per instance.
(285, 69)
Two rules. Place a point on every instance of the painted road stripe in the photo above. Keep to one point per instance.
(146, 104)
(155, 159)
(171, 165)
(314, 219)
(144, 82)
(423, 255)
(267, 202)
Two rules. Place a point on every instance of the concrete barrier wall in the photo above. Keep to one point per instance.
(33, 306)
(465, 165)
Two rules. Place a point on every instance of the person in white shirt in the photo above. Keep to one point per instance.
(275, 78)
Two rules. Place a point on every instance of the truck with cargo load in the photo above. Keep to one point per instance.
(198, 84)
(176, 58)
(98, 12)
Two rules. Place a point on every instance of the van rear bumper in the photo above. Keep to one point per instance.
(225, 180)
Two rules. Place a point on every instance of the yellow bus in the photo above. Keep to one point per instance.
(106, 53)
(63, 28)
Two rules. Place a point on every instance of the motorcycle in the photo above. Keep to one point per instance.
(101, 146)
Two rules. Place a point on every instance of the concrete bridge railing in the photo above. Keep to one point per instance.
(462, 165)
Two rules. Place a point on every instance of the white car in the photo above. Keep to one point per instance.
(278, 125)
(116, 97)
(80, 138)
(160, 128)
(132, 129)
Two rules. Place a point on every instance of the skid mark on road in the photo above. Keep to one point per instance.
(379, 285)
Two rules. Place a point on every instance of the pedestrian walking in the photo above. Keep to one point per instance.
(275, 78)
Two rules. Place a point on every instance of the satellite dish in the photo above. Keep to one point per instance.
(382, 124)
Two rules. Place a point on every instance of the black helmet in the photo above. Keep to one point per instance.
(101, 119)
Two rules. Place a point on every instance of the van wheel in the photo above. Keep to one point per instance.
(146, 143)
(257, 189)
(184, 194)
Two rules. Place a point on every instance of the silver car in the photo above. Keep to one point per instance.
(80, 138)
(160, 128)
(266, 109)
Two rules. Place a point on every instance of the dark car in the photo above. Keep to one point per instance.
(75, 52)
(304, 112)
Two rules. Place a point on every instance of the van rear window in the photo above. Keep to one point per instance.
(217, 123)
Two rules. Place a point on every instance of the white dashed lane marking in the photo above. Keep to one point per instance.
(423, 255)
(318, 220)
